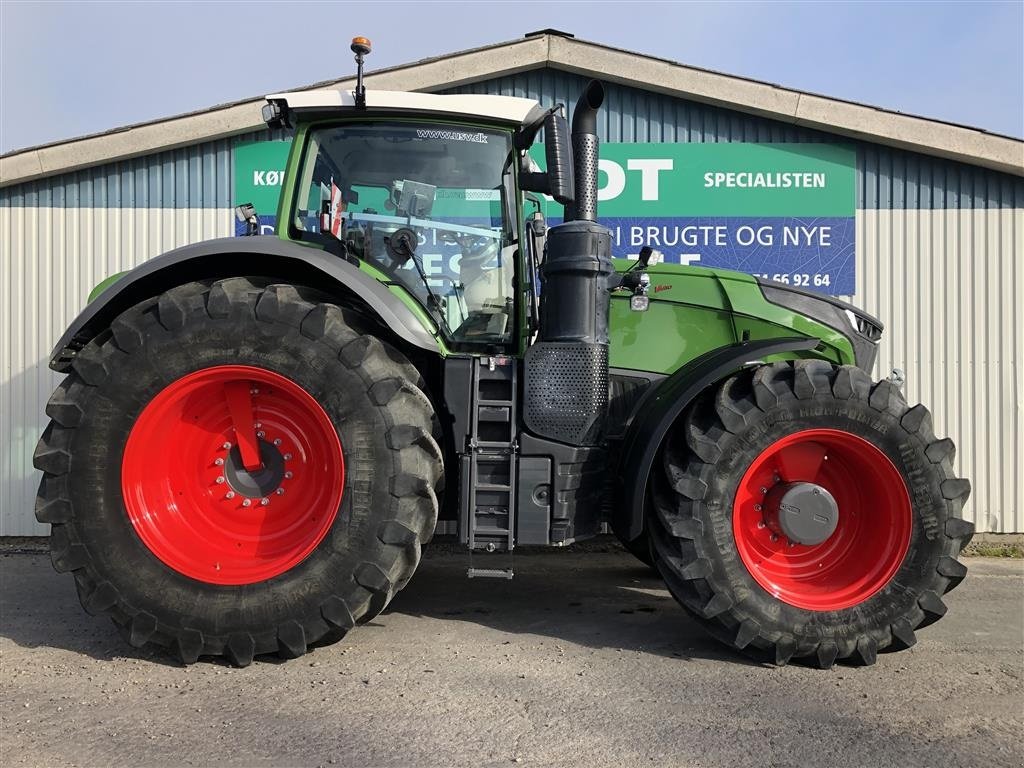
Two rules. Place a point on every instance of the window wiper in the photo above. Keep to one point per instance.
(433, 302)
(401, 246)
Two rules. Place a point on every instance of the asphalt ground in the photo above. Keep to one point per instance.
(582, 660)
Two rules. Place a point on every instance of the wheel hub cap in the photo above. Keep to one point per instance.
(805, 513)
(261, 482)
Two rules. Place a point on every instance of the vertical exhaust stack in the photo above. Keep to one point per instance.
(566, 387)
(584, 149)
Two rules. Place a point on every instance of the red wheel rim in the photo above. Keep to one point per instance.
(189, 497)
(872, 535)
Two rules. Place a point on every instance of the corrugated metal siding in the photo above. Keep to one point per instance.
(61, 236)
(199, 176)
(948, 284)
(886, 178)
(51, 259)
(939, 246)
(631, 115)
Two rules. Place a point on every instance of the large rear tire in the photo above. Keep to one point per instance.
(810, 430)
(154, 511)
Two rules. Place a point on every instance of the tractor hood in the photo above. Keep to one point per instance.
(720, 306)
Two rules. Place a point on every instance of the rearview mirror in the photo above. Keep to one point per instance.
(558, 152)
(558, 179)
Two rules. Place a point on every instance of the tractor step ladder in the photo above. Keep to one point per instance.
(491, 463)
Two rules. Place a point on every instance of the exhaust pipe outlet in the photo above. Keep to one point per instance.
(584, 149)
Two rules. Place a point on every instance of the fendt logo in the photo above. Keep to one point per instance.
(267, 178)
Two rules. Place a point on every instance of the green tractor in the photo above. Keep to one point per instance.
(256, 435)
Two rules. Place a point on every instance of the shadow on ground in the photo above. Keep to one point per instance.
(595, 596)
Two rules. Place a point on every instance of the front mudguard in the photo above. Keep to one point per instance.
(659, 409)
(265, 256)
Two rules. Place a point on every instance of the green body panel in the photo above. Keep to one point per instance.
(694, 310)
(666, 336)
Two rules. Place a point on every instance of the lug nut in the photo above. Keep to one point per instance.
(247, 502)
(279, 491)
(230, 494)
(757, 507)
(261, 434)
(764, 491)
(257, 425)
(287, 457)
(760, 523)
(288, 475)
(226, 446)
(277, 441)
(775, 537)
(264, 502)
(218, 461)
(220, 480)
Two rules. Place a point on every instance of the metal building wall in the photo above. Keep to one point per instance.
(61, 236)
(939, 250)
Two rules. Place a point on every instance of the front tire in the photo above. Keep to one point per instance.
(163, 527)
(803, 427)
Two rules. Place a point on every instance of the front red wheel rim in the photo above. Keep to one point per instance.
(872, 535)
(188, 492)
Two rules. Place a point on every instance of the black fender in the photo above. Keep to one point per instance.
(659, 408)
(265, 256)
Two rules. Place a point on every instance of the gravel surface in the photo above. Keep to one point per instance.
(582, 660)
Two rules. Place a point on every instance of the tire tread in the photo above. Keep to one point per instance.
(688, 461)
(396, 386)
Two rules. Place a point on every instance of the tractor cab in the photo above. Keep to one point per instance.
(419, 190)
(431, 206)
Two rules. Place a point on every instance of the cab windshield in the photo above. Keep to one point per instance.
(429, 204)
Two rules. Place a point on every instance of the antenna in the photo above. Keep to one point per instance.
(360, 47)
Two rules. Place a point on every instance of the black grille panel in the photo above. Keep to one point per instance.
(566, 391)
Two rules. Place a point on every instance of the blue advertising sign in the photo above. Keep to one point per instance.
(781, 211)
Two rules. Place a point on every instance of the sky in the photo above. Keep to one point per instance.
(70, 69)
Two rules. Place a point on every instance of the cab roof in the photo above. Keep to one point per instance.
(504, 109)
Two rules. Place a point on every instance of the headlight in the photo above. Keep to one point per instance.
(865, 325)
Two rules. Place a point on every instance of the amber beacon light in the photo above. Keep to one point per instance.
(360, 47)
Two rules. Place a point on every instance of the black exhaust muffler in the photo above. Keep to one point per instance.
(566, 389)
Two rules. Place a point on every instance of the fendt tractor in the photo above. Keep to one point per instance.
(257, 434)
